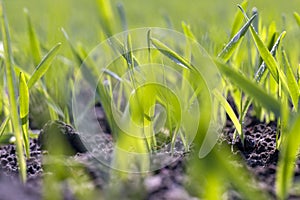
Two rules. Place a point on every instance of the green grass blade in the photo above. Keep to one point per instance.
(149, 45)
(122, 49)
(122, 15)
(298, 75)
(51, 103)
(229, 111)
(250, 88)
(87, 68)
(44, 65)
(288, 156)
(3, 125)
(24, 110)
(34, 42)
(297, 17)
(238, 19)
(255, 22)
(268, 58)
(187, 31)
(77, 56)
(24, 98)
(12, 92)
(260, 75)
(18, 70)
(129, 54)
(291, 81)
(112, 74)
(106, 16)
(261, 70)
(228, 50)
(171, 54)
(266, 55)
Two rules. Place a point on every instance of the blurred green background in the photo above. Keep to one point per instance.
(211, 19)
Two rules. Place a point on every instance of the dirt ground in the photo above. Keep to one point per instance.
(259, 153)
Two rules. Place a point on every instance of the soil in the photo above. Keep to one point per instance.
(259, 153)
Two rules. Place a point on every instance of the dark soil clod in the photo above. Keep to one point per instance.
(56, 134)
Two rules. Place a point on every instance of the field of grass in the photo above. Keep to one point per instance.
(252, 49)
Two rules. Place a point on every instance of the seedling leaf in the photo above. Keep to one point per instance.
(230, 112)
(261, 70)
(11, 90)
(250, 88)
(226, 53)
(75, 53)
(297, 17)
(122, 15)
(260, 76)
(106, 16)
(24, 110)
(44, 65)
(187, 31)
(34, 42)
(268, 58)
(287, 159)
(171, 54)
(291, 81)
(3, 125)
(238, 19)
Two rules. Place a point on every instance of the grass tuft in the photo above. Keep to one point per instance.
(10, 77)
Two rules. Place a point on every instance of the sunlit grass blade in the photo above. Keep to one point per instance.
(24, 110)
(12, 91)
(271, 63)
(106, 16)
(250, 88)
(187, 31)
(44, 65)
(238, 19)
(260, 76)
(171, 54)
(18, 70)
(288, 156)
(267, 57)
(261, 70)
(291, 81)
(3, 125)
(230, 112)
(226, 53)
(297, 17)
(34, 42)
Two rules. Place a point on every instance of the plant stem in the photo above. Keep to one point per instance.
(12, 92)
